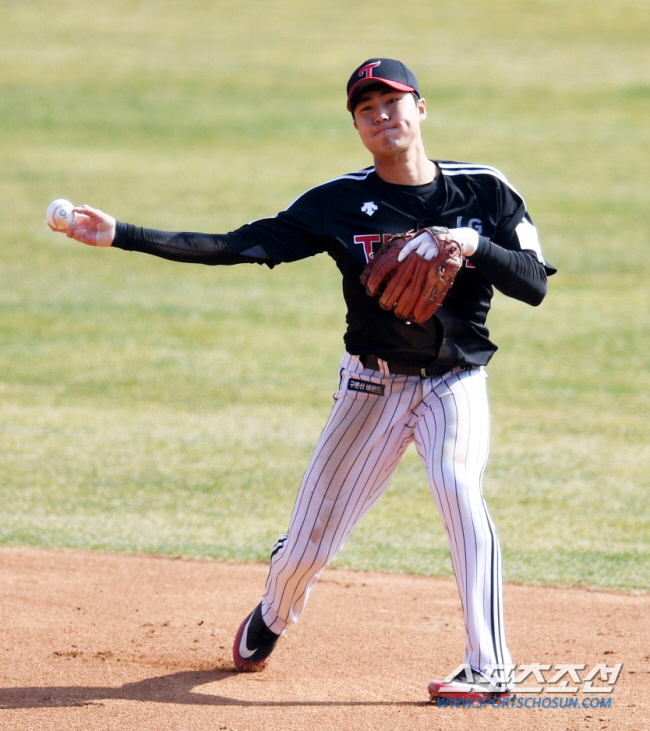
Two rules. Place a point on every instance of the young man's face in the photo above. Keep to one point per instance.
(388, 121)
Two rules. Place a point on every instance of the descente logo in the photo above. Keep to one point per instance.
(369, 207)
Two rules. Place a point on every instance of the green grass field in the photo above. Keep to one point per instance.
(157, 407)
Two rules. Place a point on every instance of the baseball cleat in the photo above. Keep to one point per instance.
(254, 642)
(468, 684)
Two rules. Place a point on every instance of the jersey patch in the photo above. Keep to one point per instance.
(369, 207)
(375, 389)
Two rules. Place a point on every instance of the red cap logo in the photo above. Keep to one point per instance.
(367, 69)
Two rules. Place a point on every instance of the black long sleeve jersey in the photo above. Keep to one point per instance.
(349, 217)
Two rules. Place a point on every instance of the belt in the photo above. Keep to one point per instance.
(372, 362)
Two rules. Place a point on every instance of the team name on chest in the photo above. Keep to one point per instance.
(370, 243)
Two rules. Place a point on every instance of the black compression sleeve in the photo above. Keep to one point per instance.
(197, 248)
(517, 274)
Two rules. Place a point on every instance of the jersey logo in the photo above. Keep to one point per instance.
(369, 207)
(375, 389)
(369, 241)
(475, 223)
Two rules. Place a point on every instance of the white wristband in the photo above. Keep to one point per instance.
(467, 238)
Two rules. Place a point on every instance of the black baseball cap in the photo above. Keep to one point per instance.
(384, 70)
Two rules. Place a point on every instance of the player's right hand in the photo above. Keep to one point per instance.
(92, 226)
(423, 244)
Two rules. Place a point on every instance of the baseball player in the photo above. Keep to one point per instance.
(400, 382)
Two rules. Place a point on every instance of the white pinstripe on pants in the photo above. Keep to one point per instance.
(358, 450)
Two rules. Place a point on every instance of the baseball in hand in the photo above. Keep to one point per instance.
(60, 214)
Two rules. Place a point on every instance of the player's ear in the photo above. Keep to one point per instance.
(422, 108)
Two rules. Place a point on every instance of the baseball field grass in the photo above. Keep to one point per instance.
(148, 406)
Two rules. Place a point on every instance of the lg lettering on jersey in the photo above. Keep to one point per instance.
(474, 223)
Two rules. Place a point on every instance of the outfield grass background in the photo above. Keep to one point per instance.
(157, 407)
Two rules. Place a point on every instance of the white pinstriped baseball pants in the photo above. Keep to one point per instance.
(368, 431)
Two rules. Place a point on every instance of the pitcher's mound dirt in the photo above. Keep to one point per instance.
(93, 641)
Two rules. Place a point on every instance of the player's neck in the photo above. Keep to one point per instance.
(405, 169)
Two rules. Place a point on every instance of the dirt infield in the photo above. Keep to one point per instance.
(93, 641)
